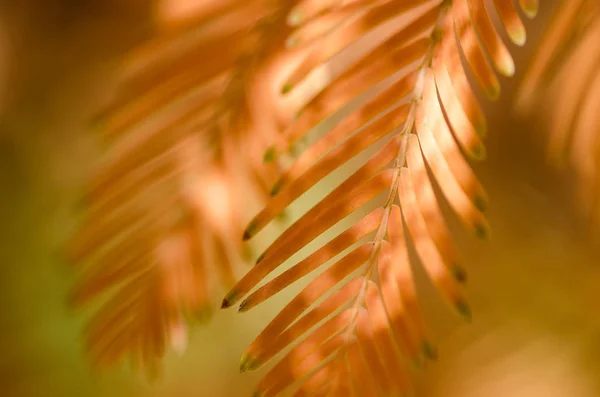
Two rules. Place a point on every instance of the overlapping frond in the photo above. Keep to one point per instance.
(356, 328)
(563, 85)
(185, 137)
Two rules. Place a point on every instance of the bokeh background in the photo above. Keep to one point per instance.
(534, 286)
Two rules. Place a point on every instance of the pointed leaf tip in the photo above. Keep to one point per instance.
(464, 309)
(295, 18)
(460, 274)
(531, 12)
(478, 152)
(481, 231)
(229, 300)
(493, 91)
(243, 306)
(276, 188)
(429, 350)
(250, 230)
(481, 203)
(509, 68)
(283, 216)
(530, 8)
(286, 88)
(225, 303)
(269, 155)
(518, 35)
(248, 363)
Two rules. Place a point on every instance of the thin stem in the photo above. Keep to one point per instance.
(399, 163)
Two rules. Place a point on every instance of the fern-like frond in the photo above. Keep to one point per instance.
(357, 326)
(185, 137)
(563, 86)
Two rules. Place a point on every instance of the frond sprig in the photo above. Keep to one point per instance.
(357, 326)
(185, 137)
(565, 70)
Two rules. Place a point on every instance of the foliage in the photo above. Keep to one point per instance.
(563, 86)
(204, 115)
(360, 319)
(185, 136)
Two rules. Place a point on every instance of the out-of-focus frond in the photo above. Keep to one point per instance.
(356, 328)
(185, 136)
(562, 85)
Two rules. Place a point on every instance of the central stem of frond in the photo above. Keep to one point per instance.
(399, 162)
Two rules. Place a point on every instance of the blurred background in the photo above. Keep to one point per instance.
(533, 286)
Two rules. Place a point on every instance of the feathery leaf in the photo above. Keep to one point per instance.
(357, 325)
(185, 136)
(565, 70)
